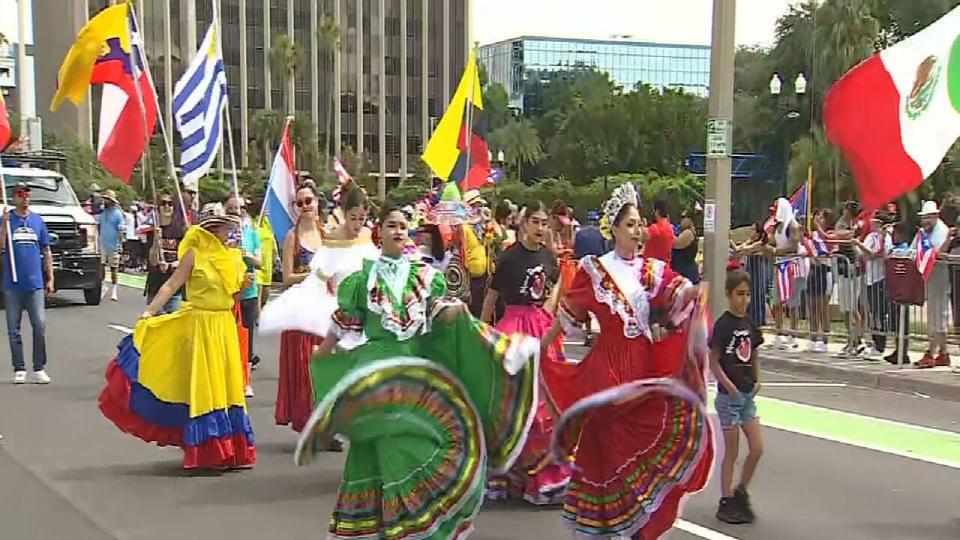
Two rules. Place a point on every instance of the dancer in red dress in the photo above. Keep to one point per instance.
(634, 415)
(295, 392)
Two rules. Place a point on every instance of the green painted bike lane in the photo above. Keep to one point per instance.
(897, 438)
(888, 436)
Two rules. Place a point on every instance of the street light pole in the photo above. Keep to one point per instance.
(720, 111)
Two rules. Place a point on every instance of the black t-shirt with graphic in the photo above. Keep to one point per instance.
(736, 338)
(524, 277)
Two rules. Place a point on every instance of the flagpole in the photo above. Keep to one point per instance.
(13, 261)
(226, 109)
(171, 166)
(469, 133)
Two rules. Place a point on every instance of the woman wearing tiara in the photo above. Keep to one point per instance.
(313, 264)
(429, 402)
(634, 414)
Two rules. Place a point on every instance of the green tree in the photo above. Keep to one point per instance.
(286, 60)
(520, 143)
(496, 107)
(328, 40)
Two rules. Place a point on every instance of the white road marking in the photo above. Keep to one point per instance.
(702, 532)
(803, 385)
(120, 328)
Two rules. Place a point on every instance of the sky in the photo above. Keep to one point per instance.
(668, 21)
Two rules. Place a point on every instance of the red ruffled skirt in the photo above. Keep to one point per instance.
(640, 435)
(295, 390)
(534, 476)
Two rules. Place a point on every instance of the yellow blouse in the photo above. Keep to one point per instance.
(218, 271)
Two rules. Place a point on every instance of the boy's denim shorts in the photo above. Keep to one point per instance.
(735, 410)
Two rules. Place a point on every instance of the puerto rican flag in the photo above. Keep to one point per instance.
(786, 272)
(817, 245)
(926, 255)
(343, 176)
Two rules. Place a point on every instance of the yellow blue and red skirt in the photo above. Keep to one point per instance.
(179, 381)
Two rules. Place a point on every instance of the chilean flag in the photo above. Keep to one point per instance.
(282, 189)
(128, 100)
(926, 255)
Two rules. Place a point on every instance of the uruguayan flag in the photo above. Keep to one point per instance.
(198, 102)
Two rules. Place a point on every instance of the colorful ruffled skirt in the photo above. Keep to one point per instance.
(425, 419)
(534, 476)
(178, 381)
(294, 389)
(640, 448)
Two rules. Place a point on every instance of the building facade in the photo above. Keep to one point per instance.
(628, 63)
(397, 66)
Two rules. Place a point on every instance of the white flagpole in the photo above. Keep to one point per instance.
(171, 166)
(13, 261)
(226, 109)
(469, 135)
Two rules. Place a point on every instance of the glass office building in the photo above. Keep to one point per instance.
(628, 63)
(398, 64)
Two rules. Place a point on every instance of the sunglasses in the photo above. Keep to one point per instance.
(190, 192)
(166, 203)
(21, 193)
(308, 201)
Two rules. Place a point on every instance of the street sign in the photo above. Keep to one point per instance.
(709, 217)
(719, 133)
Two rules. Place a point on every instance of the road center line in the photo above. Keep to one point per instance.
(120, 328)
(803, 385)
(702, 532)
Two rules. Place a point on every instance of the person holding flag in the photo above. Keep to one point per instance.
(931, 240)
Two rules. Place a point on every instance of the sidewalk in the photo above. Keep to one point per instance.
(938, 383)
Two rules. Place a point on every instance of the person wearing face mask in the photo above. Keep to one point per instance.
(527, 278)
(429, 402)
(178, 379)
(314, 262)
(634, 412)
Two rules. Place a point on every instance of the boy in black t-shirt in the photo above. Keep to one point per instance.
(734, 362)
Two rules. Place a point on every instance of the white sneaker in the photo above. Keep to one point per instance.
(19, 377)
(780, 343)
(248, 391)
(40, 377)
(821, 347)
(792, 342)
(113, 295)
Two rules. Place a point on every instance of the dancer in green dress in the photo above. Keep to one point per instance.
(429, 402)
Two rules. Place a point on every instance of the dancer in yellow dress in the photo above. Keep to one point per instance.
(178, 380)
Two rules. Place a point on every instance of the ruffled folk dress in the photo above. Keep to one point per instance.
(524, 280)
(303, 313)
(634, 418)
(427, 405)
(178, 379)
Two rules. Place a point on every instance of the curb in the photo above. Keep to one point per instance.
(130, 280)
(882, 381)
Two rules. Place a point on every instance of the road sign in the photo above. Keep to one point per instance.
(710, 217)
(719, 133)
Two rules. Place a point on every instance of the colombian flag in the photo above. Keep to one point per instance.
(461, 128)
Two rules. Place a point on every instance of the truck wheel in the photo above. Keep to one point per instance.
(92, 295)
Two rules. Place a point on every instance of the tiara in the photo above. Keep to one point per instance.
(622, 196)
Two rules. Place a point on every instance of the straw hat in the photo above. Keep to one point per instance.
(929, 208)
(214, 214)
(473, 197)
(110, 195)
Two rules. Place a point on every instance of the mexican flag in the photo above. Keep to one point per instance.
(897, 114)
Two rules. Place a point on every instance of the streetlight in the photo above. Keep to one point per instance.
(776, 89)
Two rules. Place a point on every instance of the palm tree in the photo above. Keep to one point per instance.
(267, 128)
(286, 58)
(303, 136)
(520, 143)
(328, 40)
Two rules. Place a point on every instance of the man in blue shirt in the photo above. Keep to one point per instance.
(112, 229)
(25, 234)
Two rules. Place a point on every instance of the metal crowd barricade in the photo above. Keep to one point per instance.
(847, 301)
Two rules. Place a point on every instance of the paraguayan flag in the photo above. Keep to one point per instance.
(198, 102)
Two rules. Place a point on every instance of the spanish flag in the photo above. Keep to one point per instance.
(73, 80)
(461, 128)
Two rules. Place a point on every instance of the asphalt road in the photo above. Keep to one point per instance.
(67, 473)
